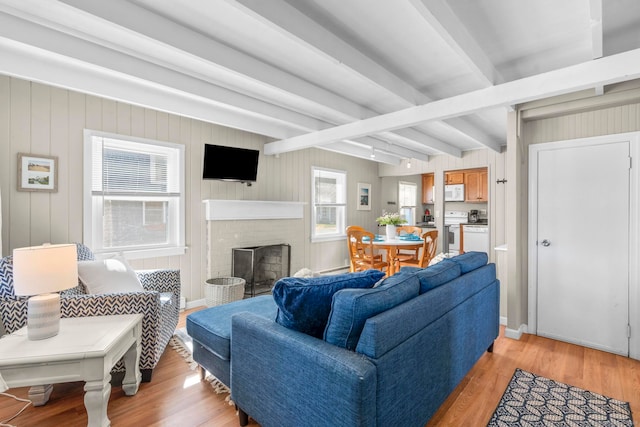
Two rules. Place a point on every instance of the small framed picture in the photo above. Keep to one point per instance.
(364, 196)
(37, 173)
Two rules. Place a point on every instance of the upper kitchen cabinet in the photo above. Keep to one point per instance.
(428, 181)
(455, 177)
(476, 183)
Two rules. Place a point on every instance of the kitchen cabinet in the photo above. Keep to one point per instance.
(428, 180)
(476, 185)
(456, 177)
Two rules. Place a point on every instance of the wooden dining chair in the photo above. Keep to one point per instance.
(362, 252)
(430, 242)
(405, 254)
(352, 256)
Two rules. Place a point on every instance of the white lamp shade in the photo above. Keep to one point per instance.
(44, 269)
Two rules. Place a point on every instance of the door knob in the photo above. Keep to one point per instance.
(545, 242)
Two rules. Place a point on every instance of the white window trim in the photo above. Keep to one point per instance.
(92, 234)
(341, 235)
(412, 207)
(415, 201)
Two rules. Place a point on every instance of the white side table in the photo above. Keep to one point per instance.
(85, 349)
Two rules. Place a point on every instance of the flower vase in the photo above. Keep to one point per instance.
(391, 231)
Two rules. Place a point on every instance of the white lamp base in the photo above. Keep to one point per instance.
(43, 316)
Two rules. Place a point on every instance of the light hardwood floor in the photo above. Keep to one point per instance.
(175, 397)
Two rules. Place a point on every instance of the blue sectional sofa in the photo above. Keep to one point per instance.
(352, 350)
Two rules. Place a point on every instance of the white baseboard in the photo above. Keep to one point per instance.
(335, 270)
(196, 303)
(503, 320)
(515, 333)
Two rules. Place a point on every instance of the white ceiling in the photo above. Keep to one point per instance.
(410, 78)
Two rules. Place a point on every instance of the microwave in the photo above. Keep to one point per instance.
(454, 193)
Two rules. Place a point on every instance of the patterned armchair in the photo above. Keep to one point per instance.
(159, 303)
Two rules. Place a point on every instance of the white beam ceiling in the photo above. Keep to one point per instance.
(279, 84)
(294, 24)
(612, 69)
(441, 18)
(308, 73)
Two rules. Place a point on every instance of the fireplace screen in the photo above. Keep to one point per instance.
(261, 266)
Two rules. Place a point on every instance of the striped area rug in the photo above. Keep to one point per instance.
(531, 400)
(181, 342)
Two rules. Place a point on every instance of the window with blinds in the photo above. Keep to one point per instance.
(329, 196)
(407, 200)
(135, 200)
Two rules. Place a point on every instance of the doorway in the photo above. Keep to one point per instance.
(582, 242)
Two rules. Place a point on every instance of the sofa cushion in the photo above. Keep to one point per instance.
(352, 307)
(112, 275)
(470, 261)
(211, 327)
(434, 275)
(304, 303)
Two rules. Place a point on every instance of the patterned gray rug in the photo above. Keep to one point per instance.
(531, 400)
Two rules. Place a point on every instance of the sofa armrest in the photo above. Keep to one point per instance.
(146, 302)
(282, 377)
(160, 281)
(13, 311)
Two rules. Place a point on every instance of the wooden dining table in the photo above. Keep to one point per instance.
(392, 246)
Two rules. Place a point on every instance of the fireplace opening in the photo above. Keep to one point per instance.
(261, 266)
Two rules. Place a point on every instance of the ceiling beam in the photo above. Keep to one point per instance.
(290, 22)
(38, 65)
(30, 34)
(597, 37)
(54, 49)
(243, 71)
(280, 84)
(444, 21)
(362, 152)
(607, 70)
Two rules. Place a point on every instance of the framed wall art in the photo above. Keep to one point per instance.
(364, 196)
(37, 173)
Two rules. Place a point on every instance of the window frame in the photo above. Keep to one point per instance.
(412, 208)
(93, 208)
(342, 206)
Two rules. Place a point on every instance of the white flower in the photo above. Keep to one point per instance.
(391, 219)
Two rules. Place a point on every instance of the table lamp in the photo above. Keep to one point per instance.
(42, 271)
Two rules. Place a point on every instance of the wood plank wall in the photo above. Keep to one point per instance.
(41, 119)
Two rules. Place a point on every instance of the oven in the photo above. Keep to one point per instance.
(452, 221)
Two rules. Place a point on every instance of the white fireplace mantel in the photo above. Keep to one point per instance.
(225, 210)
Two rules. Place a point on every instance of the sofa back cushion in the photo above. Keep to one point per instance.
(351, 308)
(434, 275)
(304, 303)
(386, 331)
(470, 261)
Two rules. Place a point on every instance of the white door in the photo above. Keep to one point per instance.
(583, 245)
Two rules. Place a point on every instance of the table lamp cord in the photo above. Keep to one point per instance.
(28, 402)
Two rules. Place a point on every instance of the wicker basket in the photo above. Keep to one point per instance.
(222, 290)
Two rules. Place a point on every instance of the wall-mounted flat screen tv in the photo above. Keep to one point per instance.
(230, 163)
